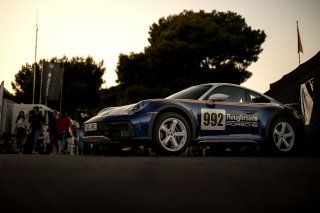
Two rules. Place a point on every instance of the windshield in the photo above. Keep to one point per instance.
(194, 92)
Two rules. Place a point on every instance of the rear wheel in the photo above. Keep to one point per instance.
(171, 133)
(283, 136)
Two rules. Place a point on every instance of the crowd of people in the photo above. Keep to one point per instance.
(33, 137)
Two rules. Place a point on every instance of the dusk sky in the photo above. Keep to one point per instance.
(105, 28)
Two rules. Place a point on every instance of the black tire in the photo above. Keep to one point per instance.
(171, 134)
(283, 136)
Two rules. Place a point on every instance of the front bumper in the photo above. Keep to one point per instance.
(109, 132)
(96, 139)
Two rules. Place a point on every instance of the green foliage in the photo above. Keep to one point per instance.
(23, 84)
(123, 95)
(192, 48)
(185, 49)
(8, 95)
(82, 82)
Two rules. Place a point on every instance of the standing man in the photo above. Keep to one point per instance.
(36, 125)
(64, 126)
(53, 130)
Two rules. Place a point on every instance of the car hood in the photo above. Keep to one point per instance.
(120, 110)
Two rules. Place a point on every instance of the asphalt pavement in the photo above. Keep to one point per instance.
(66, 183)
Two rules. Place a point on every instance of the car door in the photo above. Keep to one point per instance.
(232, 119)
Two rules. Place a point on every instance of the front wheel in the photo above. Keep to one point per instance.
(283, 136)
(171, 133)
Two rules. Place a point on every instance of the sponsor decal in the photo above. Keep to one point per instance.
(242, 120)
(218, 119)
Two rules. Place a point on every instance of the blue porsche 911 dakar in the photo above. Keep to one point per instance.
(206, 114)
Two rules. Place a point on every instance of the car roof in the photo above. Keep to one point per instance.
(215, 85)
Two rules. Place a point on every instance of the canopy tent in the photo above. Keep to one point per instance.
(302, 86)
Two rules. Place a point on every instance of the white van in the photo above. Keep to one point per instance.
(9, 114)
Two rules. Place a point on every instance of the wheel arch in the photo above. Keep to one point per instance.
(190, 118)
(282, 114)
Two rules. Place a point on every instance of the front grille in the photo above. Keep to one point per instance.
(114, 131)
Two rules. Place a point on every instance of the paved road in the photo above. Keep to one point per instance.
(47, 183)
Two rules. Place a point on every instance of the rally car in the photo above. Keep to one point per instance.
(205, 114)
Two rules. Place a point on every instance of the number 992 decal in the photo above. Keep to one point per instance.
(213, 119)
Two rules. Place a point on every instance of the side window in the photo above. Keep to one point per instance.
(256, 98)
(234, 94)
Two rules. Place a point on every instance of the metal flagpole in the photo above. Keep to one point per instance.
(35, 61)
(61, 90)
(41, 77)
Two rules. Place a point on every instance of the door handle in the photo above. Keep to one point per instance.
(249, 112)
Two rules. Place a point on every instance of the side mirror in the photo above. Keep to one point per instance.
(218, 97)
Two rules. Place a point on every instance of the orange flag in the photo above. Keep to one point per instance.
(300, 48)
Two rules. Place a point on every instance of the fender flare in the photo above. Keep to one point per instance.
(189, 116)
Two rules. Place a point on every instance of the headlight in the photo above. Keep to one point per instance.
(139, 106)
